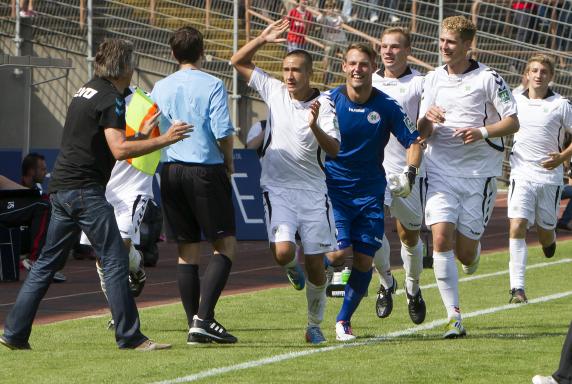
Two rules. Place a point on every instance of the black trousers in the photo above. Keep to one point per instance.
(564, 373)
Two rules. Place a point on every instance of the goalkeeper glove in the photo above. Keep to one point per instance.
(400, 185)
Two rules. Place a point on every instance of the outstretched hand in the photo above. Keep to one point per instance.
(273, 32)
(178, 131)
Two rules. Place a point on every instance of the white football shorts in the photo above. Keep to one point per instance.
(129, 215)
(466, 202)
(537, 203)
(409, 210)
(309, 213)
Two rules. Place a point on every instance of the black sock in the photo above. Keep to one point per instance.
(214, 281)
(189, 288)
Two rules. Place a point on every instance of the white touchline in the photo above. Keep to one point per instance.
(373, 340)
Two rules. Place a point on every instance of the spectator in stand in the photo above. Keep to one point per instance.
(526, 21)
(34, 171)
(333, 34)
(300, 19)
(564, 31)
(27, 8)
(374, 6)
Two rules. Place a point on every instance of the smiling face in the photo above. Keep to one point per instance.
(394, 52)
(296, 73)
(359, 68)
(539, 76)
(453, 48)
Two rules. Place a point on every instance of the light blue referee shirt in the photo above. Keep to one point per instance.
(200, 99)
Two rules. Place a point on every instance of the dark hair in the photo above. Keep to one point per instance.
(114, 59)
(187, 45)
(31, 162)
(307, 57)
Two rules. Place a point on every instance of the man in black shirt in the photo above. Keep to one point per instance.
(93, 138)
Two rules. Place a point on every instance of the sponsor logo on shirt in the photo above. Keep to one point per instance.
(409, 124)
(85, 92)
(373, 117)
(358, 110)
(10, 205)
(504, 95)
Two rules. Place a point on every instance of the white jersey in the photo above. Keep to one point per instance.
(291, 156)
(543, 123)
(406, 90)
(473, 99)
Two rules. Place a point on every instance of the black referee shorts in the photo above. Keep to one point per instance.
(195, 198)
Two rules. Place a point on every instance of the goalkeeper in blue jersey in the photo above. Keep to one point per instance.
(356, 178)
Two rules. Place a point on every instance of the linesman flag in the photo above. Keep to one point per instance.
(140, 109)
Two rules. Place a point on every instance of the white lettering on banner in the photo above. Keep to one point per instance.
(240, 199)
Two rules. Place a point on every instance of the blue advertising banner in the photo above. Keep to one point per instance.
(247, 197)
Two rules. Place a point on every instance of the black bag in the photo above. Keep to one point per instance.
(9, 254)
(150, 232)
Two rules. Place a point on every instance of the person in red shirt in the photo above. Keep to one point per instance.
(300, 19)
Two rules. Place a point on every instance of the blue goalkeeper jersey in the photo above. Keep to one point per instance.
(365, 129)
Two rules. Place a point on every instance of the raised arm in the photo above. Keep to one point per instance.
(328, 143)
(242, 59)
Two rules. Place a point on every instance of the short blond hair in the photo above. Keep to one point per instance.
(460, 24)
(402, 31)
(542, 59)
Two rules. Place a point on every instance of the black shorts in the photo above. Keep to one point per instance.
(195, 198)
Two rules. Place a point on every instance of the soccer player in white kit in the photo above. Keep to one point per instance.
(301, 128)
(470, 108)
(405, 85)
(536, 168)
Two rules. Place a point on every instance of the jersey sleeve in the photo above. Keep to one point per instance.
(254, 131)
(427, 94)
(327, 119)
(265, 85)
(404, 130)
(111, 111)
(567, 115)
(499, 94)
(221, 126)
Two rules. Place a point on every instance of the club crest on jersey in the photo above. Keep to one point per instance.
(504, 95)
(373, 117)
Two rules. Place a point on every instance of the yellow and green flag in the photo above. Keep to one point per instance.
(139, 110)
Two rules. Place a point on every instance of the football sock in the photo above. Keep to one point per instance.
(316, 297)
(134, 259)
(214, 281)
(517, 265)
(354, 292)
(189, 288)
(413, 264)
(447, 281)
(291, 264)
(382, 264)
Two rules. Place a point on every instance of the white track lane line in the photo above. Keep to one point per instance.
(374, 340)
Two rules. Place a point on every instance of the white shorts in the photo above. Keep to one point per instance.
(309, 213)
(537, 203)
(409, 210)
(129, 215)
(466, 202)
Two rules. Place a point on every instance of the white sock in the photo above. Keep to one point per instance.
(413, 264)
(101, 281)
(134, 259)
(448, 281)
(382, 264)
(316, 297)
(517, 265)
